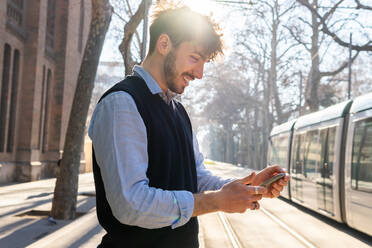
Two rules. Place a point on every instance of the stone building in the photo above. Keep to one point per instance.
(41, 46)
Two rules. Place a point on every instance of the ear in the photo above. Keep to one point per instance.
(164, 44)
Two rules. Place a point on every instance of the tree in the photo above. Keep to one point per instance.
(130, 28)
(267, 57)
(65, 192)
(314, 50)
(325, 26)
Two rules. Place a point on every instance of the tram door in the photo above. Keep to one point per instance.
(325, 182)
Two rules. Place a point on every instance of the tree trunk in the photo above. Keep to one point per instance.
(273, 63)
(65, 192)
(312, 87)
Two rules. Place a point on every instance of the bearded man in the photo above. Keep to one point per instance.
(149, 175)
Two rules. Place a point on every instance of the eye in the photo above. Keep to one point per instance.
(194, 58)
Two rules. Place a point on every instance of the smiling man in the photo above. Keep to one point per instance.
(150, 179)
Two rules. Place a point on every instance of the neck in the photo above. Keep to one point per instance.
(154, 66)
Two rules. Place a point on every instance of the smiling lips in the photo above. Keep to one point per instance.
(187, 79)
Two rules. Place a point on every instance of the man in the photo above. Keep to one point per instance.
(150, 179)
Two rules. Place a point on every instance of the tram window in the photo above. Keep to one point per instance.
(282, 151)
(325, 166)
(297, 154)
(278, 150)
(361, 167)
(273, 153)
(331, 152)
(312, 153)
(323, 136)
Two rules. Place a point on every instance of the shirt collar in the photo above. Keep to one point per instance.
(153, 85)
(150, 81)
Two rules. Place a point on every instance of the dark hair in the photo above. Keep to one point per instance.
(183, 24)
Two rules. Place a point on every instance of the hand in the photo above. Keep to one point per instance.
(237, 196)
(275, 188)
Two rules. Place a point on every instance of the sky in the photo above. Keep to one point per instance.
(110, 50)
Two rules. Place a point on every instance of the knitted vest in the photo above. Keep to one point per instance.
(171, 166)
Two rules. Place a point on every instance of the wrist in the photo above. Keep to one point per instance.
(216, 200)
(207, 202)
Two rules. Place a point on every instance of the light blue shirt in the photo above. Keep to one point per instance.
(119, 139)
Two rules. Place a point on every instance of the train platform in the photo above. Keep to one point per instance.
(24, 221)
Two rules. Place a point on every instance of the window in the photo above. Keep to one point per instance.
(278, 150)
(14, 12)
(81, 26)
(50, 28)
(312, 153)
(329, 156)
(4, 96)
(46, 104)
(13, 101)
(361, 165)
(42, 104)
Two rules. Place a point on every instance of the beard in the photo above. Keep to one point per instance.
(171, 73)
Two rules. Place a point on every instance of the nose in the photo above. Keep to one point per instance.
(199, 69)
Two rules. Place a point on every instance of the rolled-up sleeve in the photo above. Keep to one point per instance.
(119, 139)
(206, 180)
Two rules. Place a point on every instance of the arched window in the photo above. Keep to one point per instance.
(13, 101)
(42, 104)
(46, 112)
(51, 23)
(4, 95)
(81, 26)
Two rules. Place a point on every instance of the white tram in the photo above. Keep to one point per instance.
(329, 157)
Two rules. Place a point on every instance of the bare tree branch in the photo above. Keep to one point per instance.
(286, 50)
(129, 30)
(332, 10)
(343, 66)
(117, 14)
(365, 47)
(297, 38)
(304, 21)
(361, 6)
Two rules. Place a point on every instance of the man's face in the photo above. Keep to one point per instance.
(183, 64)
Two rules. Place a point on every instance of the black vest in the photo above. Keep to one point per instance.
(171, 167)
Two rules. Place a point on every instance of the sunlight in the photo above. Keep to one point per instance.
(205, 7)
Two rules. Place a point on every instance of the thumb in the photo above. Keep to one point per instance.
(275, 169)
(248, 179)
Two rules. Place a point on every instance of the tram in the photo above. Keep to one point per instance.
(329, 157)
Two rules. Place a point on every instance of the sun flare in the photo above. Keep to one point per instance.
(205, 7)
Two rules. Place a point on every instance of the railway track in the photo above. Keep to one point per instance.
(236, 242)
(278, 223)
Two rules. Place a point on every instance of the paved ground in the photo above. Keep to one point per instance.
(20, 228)
(251, 229)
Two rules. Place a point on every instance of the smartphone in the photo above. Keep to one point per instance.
(272, 179)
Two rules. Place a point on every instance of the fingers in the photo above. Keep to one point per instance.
(247, 179)
(274, 169)
(274, 193)
(256, 190)
(284, 181)
(278, 186)
(286, 178)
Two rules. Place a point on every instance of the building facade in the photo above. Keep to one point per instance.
(41, 47)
